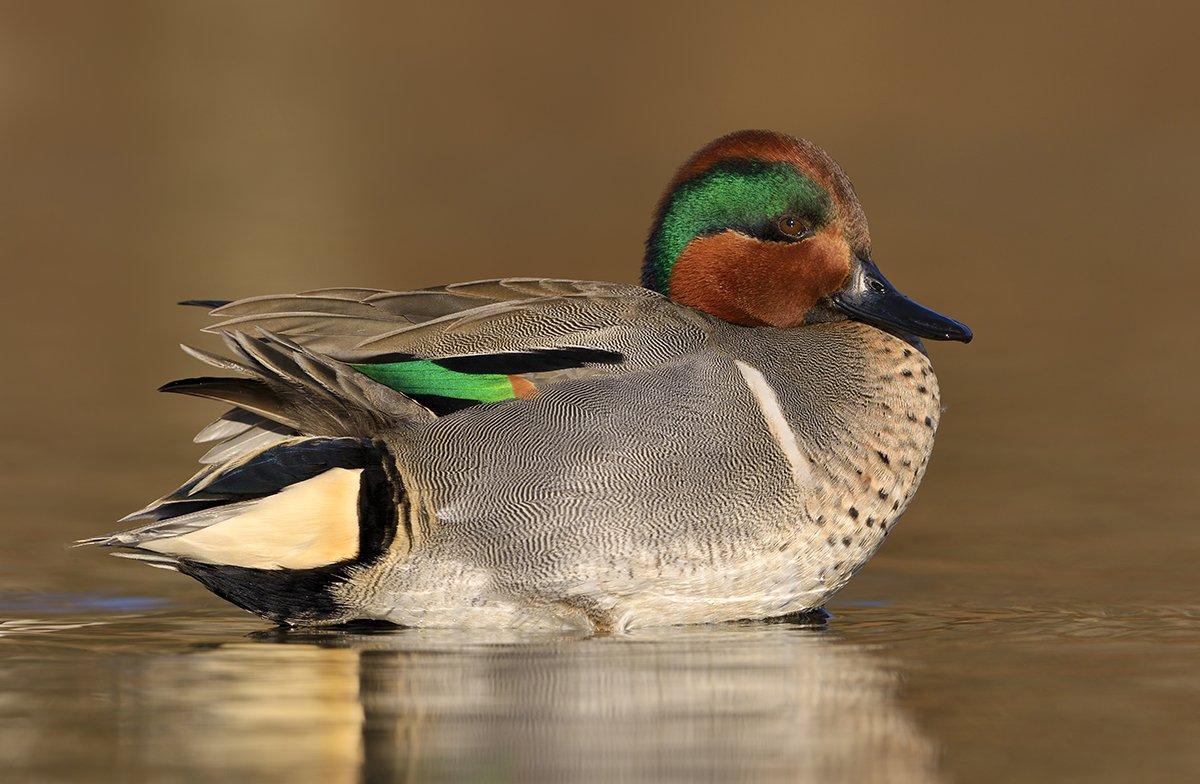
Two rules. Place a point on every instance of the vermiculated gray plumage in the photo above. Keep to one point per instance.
(715, 472)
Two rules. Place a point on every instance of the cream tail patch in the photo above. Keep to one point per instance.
(305, 525)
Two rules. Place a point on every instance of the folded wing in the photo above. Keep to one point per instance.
(455, 346)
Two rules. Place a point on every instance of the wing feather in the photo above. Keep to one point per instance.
(545, 328)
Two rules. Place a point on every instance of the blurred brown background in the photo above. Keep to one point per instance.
(1030, 169)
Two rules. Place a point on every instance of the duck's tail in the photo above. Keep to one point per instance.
(299, 490)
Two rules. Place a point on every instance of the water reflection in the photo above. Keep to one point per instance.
(172, 698)
(754, 702)
(778, 702)
(896, 693)
(262, 712)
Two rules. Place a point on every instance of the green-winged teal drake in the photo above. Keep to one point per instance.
(733, 439)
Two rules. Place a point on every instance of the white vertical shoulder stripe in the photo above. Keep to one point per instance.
(768, 404)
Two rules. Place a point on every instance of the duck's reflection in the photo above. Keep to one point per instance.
(774, 702)
(244, 711)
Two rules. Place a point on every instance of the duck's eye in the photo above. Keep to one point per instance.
(792, 226)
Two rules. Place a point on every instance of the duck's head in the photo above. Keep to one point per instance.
(762, 229)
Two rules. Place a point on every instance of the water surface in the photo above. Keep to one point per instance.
(881, 692)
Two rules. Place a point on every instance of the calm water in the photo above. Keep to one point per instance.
(882, 693)
(1035, 616)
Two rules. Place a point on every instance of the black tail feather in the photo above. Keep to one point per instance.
(210, 304)
(291, 462)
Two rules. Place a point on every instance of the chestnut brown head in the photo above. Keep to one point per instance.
(762, 229)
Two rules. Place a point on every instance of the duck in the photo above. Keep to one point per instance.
(730, 440)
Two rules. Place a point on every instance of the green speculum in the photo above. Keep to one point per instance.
(740, 195)
(422, 377)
